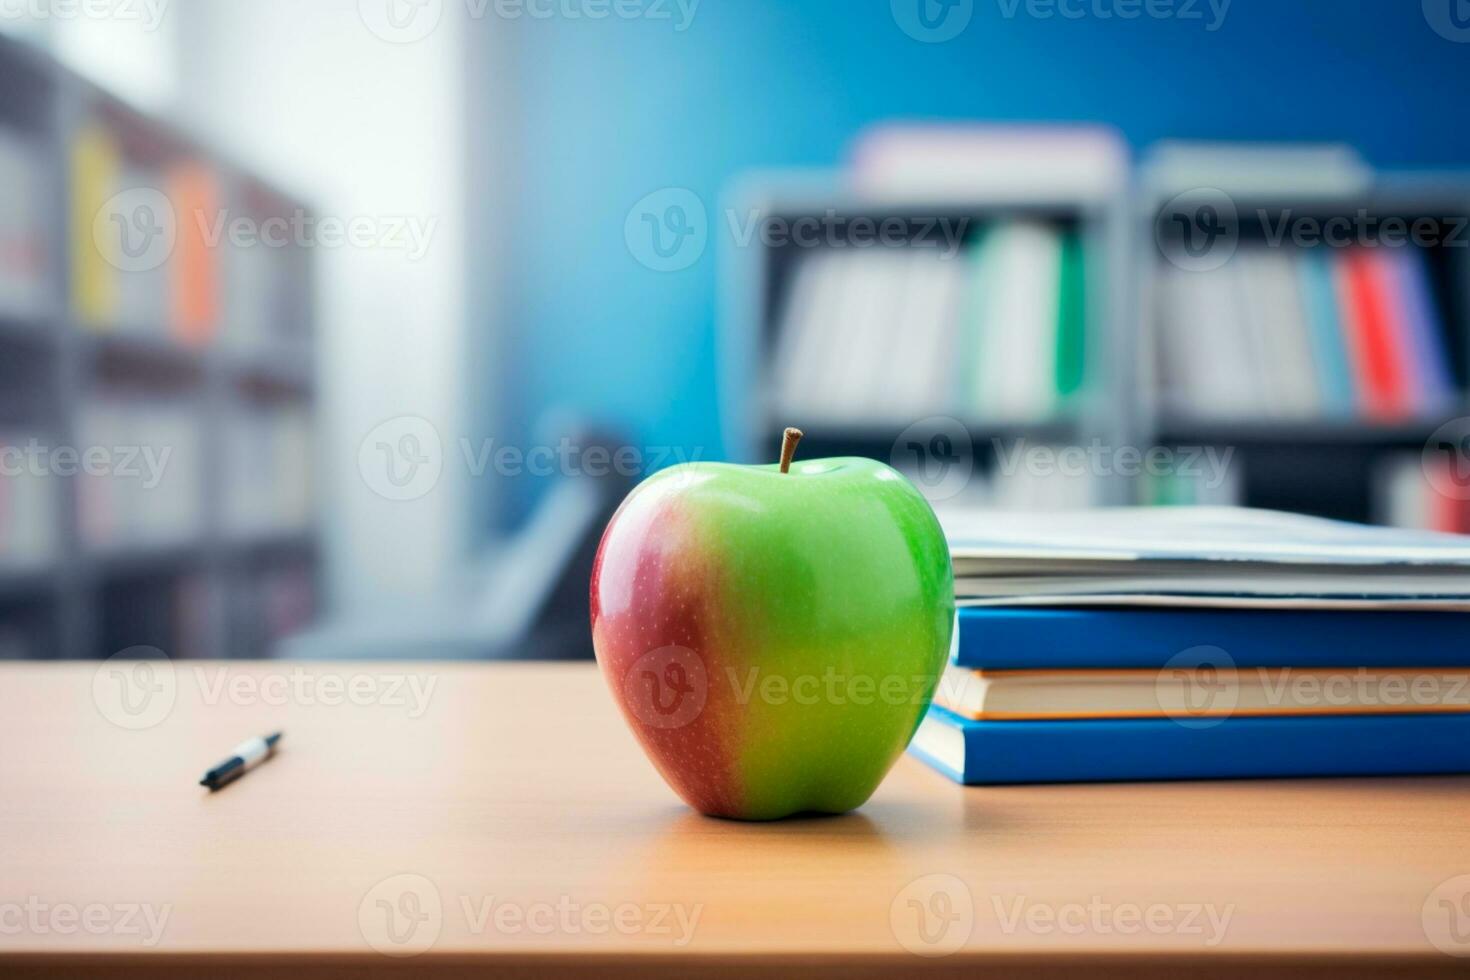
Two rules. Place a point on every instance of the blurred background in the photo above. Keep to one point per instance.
(338, 328)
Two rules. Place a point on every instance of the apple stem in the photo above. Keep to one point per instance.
(789, 439)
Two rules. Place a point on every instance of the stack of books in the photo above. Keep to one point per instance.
(1194, 643)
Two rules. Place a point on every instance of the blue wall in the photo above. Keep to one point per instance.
(604, 112)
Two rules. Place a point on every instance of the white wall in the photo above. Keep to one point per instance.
(361, 126)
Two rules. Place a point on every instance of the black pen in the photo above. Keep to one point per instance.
(247, 755)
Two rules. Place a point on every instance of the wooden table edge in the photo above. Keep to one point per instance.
(681, 964)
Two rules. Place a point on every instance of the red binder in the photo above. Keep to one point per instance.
(1375, 337)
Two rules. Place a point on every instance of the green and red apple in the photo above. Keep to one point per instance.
(773, 634)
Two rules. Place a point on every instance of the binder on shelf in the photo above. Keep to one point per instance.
(1325, 329)
(95, 164)
(25, 273)
(195, 292)
(29, 508)
(1406, 270)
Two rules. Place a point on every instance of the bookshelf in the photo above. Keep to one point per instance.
(202, 356)
(842, 400)
(1333, 454)
(1356, 459)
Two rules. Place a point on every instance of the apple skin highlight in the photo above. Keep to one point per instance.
(773, 639)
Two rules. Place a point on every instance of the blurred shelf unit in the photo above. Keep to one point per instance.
(1279, 325)
(1310, 314)
(929, 310)
(157, 385)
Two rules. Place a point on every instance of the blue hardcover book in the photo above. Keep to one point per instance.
(1140, 637)
(993, 752)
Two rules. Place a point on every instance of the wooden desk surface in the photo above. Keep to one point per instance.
(502, 815)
